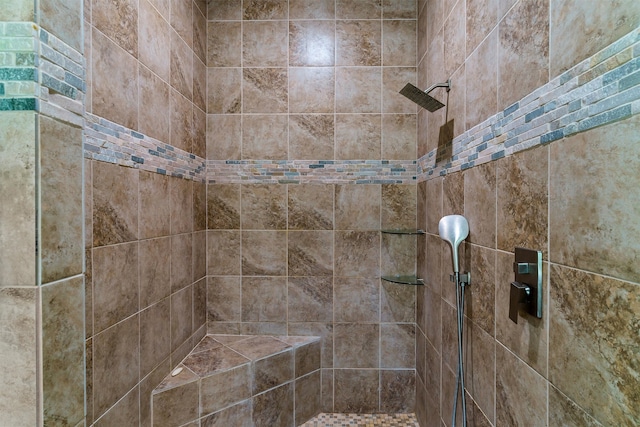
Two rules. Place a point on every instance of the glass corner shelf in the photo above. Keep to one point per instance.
(403, 231)
(404, 280)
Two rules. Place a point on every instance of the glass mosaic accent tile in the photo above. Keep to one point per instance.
(363, 420)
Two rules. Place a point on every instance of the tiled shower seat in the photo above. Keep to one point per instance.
(239, 380)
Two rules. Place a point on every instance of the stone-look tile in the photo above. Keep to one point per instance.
(223, 139)
(182, 20)
(399, 43)
(200, 307)
(181, 317)
(154, 209)
(434, 204)
(311, 43)
(357, 345)
(480, 204)
(311, 90)
(154, 37)
(212, 361)
(397, 303)
(480, 307)
(359, 43)
(482, 69)
(308, 358)
(393, 80)
(322, 330)
(224, 90)
(311, 9)
(359, 9)
(274, 408)
(482, 17)
(523, 55)
(224, 299)
(88, 203)
(455, 101)
(356, 300)
(264, 299)
(20, 11)
(181, 261)
(398, 207)
(357, 254)
(18, 351)
(397, 255)
(181, 121)
(591, 341)
(60, 200)
(480, 370)
(200, 32)
(357, 207)
(223, 253)
(263, 328)
(447, 394)
(528, 338)
(455, 38)
(225, 388)
(115, 284)
(63, 351)
(200, 106)
(125, 412)
(154, 122)
(399, 136)
(116, 363)
(307, 397)
(264, 44)
(199, 206)
(223, 207)
(397, 346)
(181, 197)
(273, 371)
(264, 90)
(154, 270)
(237, 415)
(326, 382)
(311, 136)
(115, 204)
(399, 9)
(356, 391)
(118, 20)
(453, 194)
(114, 91)
(147, 385)
(310, 207)
(358, 136)
(434, 367)
(397, 391)
(224, 10)
(155, 339)
(89, 381)
(264, 136)
(310, 299)
(264, 253)
(564, 412)
(521, 393)
(587, 209)
(433, 313)
(199, 257)
(310, 253)
(176, 406)
(358, 90)
(256, 347)
(596, 26)
(224, 44)
(449, 336)
(262, 10)
(263, 207)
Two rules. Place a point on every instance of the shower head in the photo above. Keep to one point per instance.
(422, 98)
(453, 229)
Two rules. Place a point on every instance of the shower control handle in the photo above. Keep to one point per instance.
(520, 294)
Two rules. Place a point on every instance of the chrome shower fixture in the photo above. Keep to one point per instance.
(454, 229)
(422, 98)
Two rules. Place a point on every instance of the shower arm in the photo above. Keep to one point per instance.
(447, 84)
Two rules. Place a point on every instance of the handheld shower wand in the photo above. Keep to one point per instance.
(454, 229)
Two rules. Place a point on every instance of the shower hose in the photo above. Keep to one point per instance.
(460, 285)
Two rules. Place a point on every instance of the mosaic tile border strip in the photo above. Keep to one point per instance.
(312, 171)
(363, 420)
(599, 90)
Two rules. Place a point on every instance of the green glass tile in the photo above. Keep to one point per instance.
(17, 74)
(1, 88)
(18, 104)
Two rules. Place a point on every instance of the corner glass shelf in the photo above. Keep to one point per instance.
(403, 231)
(404, 280)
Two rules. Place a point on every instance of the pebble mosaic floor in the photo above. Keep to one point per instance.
(365, 420)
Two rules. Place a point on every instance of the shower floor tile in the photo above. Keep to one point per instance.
(363, 420)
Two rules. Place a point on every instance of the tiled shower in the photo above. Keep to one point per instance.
(176, 168)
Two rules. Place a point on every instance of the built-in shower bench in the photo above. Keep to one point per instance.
(239, 380)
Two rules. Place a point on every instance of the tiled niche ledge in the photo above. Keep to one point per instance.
(599, 90)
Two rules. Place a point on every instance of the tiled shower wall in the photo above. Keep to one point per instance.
(306, 259)
(573, 366)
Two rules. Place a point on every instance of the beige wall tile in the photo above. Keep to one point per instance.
(224, 10)
(357, 253)
(154, 105)
(264, 136)
(358, 9)
(224, 44)
(224, 140)
(311, 90)
(62, 18)
(264, 43)
(358, 136)
(481, 68)
(482, 17)
(154, 270)
(480, 204)
(311, 9)
(155, 211)
(181, 66)
(310, 299)
(223, 253)
(455, 37)
(118, 20)
(399, 136)
(265, 90)
(399, 9)
(357, 207)
(258, 9)
(182, 20)
(359, 43)
(263, 207)
(310, 253)
(397, 391)
(224, 94)
(310, 207)
(154, 38)
(155, 336)
(311, 136)
(312, 43)
(264, 253)
(356, 390)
